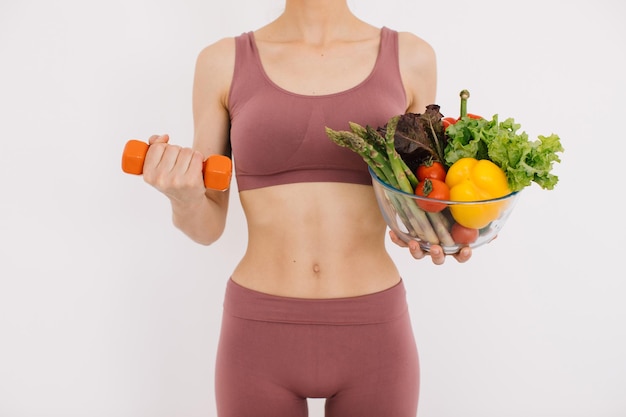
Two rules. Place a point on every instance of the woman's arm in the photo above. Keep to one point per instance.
(418, 66)
(177, 172)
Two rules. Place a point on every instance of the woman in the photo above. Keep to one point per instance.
(316, 307)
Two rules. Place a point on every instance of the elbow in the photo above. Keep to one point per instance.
(203, 223)
(204, 236)
(205, 240)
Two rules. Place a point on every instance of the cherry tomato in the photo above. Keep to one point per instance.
(433, 189)
(463, 235)
(431, 169)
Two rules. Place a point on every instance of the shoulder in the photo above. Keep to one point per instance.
(215, 65)
(218, 55)
(415, 51)
(418, 66)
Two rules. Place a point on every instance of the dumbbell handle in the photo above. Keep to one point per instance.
(217, 169)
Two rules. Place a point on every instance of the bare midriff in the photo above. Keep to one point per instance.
(315, 240)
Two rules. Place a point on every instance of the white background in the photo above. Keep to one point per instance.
(107, 310)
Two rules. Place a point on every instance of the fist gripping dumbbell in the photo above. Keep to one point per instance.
(217, 169)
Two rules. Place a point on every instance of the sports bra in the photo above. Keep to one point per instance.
(278, 137)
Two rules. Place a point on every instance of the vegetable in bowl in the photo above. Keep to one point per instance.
(502, 159)
(411, 219)
(523, 161)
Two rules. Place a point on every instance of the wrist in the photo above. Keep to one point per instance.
(186, 205)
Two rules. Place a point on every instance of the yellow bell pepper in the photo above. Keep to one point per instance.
(470, 179)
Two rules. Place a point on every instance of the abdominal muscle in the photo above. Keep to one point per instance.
(315, 240)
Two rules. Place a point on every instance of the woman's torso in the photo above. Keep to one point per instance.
(312, 237)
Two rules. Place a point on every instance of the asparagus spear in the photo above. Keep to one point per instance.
(442, 227)
(372, 136)
(394, 157)
(392, 172)
(372, 157)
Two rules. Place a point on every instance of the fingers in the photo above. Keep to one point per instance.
(173, 170)
(435, 252)
(416, 250)
(158, 138)
(437, 255)
(160, 160)
(176, 160)
(463, 255)
(395, 239)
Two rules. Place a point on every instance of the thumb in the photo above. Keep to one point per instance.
(159, 139)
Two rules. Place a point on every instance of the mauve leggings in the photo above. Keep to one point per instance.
(274, 352)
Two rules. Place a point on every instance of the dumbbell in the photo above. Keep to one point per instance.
(217, 169)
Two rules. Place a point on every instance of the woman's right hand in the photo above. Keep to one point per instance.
(173, 170)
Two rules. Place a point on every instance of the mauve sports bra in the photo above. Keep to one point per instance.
(279, 137)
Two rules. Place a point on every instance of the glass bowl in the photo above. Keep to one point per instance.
(456, 225)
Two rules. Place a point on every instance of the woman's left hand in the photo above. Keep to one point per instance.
(436, 251)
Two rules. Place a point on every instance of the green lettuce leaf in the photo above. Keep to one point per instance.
(523, 161)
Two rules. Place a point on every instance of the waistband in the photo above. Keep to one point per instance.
(380, 307)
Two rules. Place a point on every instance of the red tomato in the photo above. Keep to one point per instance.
(463, 235)
(431, 169)
(447, 121)
(433, 189)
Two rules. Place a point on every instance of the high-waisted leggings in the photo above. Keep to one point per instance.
(275, 352)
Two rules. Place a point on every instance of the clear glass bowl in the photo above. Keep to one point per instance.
(482, 219)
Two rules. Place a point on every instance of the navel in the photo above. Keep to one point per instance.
(316, 268)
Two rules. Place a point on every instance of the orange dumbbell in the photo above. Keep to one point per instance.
(217, 169)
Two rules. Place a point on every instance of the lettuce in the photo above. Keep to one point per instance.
(523, 161)
(419, 136)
